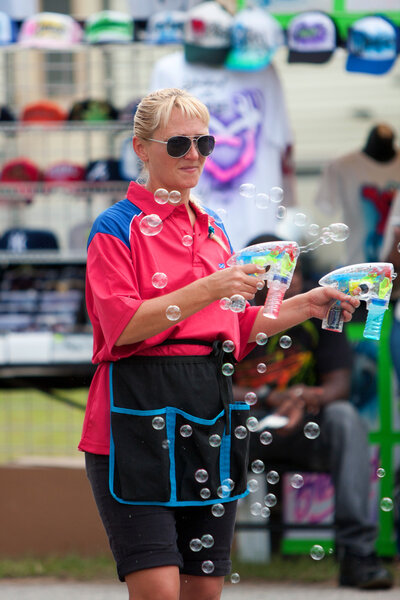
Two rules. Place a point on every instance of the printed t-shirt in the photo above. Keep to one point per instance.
(120, 266)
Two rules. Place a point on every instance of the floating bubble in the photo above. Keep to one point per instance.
(161, 196)
(214, 440)
(252, 485)
(218, 510)
(205, 493)
(247, 190)
(313, 229)
(227, 369)
(159, 280)
(261, 367)
(150, 225)
(326, 238)
(250, 398)
(207, 540)
(270, 500)
(207, 566)
(201, 475)
(186, 431)
(297, 481)
(285, 341)
(386, 504)
(300, 219)
(195, 545)
(173, 312)
(228, 346)
(174, 197)
(240, 432)
(262, 200)
(158, 423)
(228, 483)
(235, 577)
(252, 423)
(255, 509)
(265, 512)
(317, 552)
(165, 444)
(380, 472)
(272, 477)
(280, 212)
(339, 232)
(187, 240)
(276, 194)
(237, 303)
(261, 338)
(257, 466)
(265, 438)
(260, 284)
(225, 303)
(223, 491)
(311, 430)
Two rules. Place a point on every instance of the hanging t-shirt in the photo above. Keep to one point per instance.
(363, 190)
(249, 120)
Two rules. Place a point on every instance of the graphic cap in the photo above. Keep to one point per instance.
(311, 38)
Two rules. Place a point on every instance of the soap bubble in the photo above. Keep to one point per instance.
(257, 466)
(161, 196)
(317, 552)
(276, 194)
(247, 190)
(261, 367)
(380, 472)
(260, 284)
(297, 481)
(165, 444)
(240, 432)
(252, 423)
(225, 303)
(250, 398)
(228, 483)
(207, 567)
(158, 423)
(159, 280)
(252, 485)
(173, 312)
(214, 440)
(187, 240)
(205, 493)
(265, 438)
(228, 346)
(207, 540)
(261, 338)
(186, 431)
(300, 219)
(270, 500)
(265, 512)
(150, 225)
(201, 475)
(174, 197)
(235, 578)
(285, 341)
(262, 200)
(195, 545)
(227, 369)
(272, 477)
(313, 229)
(218, 510)
(311, 430)
(386, 504)
(223, 491)
(339, 231)
(237, 303)
(280, 212)
(255, 509)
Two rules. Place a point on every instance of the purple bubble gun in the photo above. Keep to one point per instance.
(281, 258)
(371, 282)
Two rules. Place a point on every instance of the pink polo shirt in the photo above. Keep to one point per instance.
(120, 265)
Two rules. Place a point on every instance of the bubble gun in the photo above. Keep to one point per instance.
(281, 258)
(371, 282)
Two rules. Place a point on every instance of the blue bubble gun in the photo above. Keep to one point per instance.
(281, 258)
(371, 282)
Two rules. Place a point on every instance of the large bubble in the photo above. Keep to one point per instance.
(276, 194)
(247, 190)
(159, 280)
(161, 196)
(339, 232)
(151, 225)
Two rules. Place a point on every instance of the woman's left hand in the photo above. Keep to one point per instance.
(320, 300)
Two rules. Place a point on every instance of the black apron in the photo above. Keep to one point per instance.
(164, 410)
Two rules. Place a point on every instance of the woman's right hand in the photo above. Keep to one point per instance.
(234, 280)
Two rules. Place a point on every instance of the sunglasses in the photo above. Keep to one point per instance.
(179, 145)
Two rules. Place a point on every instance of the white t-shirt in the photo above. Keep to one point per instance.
(363, 190)
(251, 126)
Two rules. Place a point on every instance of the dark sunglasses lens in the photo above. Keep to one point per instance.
(178, 146)
(205, 144)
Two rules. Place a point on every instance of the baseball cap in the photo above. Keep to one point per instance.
(372, 44)
(20, 169)
(207, 34)
(92, 110)
(103, 170)
(64, 171)
(109, 27)
(256, 36)
(129, 163)
(50, 30)
(166, 27)
(20, 240)
(8, 29)
(127, 113)
(42, 111)
(6, 114)
(311, 38)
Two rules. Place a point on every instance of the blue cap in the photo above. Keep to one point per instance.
(372, 44)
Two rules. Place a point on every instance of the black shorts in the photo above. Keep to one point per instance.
(143, 537)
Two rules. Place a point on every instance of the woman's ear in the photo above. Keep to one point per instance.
(140, 147)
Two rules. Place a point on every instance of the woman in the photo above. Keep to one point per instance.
(167, 476)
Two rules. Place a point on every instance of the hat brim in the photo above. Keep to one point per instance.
(208, 56)
(316, 57)
(355, 64)
(248, 61)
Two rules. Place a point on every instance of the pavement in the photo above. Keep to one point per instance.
(44, 589)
